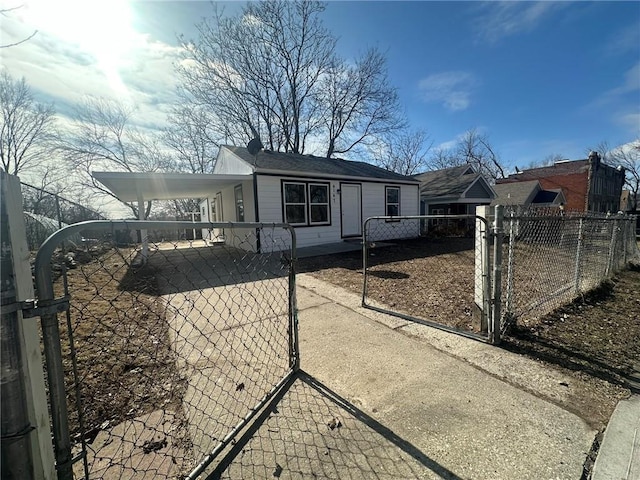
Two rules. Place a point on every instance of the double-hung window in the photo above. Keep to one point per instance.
(318, 204)
(392, 201)
(306, 203)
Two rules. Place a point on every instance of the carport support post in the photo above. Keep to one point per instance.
(143, 233)
(481, 271)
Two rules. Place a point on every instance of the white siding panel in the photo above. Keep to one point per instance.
(373, 200)
(270, 211)
(229, 163)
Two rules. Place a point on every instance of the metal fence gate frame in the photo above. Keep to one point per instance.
(48, 308)
(487, 269)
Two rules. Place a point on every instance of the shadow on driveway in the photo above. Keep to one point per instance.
(309, 431)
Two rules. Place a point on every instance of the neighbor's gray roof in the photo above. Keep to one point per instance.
(516, 193)
(447, 181)
(267, 160)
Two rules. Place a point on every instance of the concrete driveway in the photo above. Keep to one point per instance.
(378, 402)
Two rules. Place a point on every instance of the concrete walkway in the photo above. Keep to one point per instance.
(375, 401)
(619, 455)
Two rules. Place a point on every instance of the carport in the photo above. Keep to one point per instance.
(142, 187)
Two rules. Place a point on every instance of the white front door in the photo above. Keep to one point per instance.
(216, 216)
(351, 208)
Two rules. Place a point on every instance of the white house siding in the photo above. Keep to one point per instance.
(270, 211)
(229, 164)
(240, 237)
(373, 205)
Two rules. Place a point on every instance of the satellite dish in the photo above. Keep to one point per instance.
(254, 146)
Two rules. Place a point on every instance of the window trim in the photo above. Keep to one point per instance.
(307, 203)
(387, 203)
(327, 203)
(236, 189)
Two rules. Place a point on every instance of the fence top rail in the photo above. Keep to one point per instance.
(421, 217)
(627, 218)
(43, 257)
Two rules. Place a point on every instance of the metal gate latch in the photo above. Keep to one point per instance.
(37, 308)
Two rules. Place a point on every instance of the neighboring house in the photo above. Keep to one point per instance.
(588, 185)
(325, 199)
(453, 191)
(527, 195)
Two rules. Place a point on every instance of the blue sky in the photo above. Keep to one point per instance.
(539, 78)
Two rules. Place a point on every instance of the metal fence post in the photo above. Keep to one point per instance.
(55, 376)
(498, 239)
(612, 248)
(481, 269)
(510, 266)
(578, 268)
(365, 254)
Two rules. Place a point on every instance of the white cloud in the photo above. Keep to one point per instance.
(623, 40)
(452, 89)
(498, 20)
(64, 71)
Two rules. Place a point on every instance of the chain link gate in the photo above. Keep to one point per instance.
(431, 269)
(165, 350)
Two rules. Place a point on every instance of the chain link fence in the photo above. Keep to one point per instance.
(551, 259)
(431, 269)
(46, 212)
(168, 349)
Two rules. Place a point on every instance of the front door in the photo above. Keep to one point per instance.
(216, 216)
(351, 208)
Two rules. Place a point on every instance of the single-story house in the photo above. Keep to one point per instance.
(326, 200)
(527, 195)
(453, 191)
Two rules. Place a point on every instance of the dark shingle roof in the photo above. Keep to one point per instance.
(447, 181)
(516, 193)
(292, 162)
(561, 168)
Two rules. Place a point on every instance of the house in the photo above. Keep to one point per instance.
(326, 200)
(527, 195)
(588, 185)
(453, 191)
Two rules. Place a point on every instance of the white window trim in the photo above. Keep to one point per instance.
(328, 220)
(285, 203)
(387, 203)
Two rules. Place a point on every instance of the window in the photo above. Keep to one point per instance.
(318, 203)
(392, 201)
(306, 203)
(239, 203)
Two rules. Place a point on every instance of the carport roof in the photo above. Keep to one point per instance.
(128, 186)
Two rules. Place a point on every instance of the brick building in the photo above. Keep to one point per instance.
(588, 185)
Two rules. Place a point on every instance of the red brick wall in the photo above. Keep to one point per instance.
(574, 186)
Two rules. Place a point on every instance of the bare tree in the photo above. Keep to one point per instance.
(358, 103)
(474, 149)
(405, 152)
(4, 12)
(102, 138)
(272, 72)
(193, 139)
(628, 157)
(258, 71)
(25, 131)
